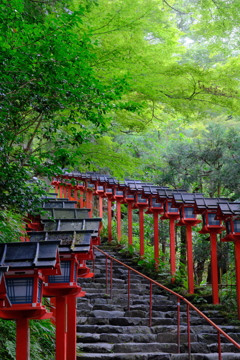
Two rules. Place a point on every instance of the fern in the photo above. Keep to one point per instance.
(11, 349)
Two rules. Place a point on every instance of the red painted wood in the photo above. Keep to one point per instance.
(61, 328)
(156, 239)
(109, 220)
(100, 206)
(141, 230)
(71, 327)
(60, 191)
(89, 201)
(119, 230)
(23, 339)
(214, 267)
(81, 198)
(190, 259)
(172, 248)
(130, 237)
(237, 265)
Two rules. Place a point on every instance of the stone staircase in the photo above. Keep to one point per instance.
(108, 330)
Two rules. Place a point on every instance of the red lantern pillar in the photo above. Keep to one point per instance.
(65, 191)
(61, 328)
(22, 339)
(75, 193)
(81, 198)
(130, 238)
(109, 219)
(89, 202)
(156, 239)
(214, 267)
(190, 259)
(141, 230)
(71, 327)
(237, 266)
(172, 248)
(61, 190)
(100, 206)
(119, 229)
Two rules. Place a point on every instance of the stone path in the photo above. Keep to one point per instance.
(108, 330)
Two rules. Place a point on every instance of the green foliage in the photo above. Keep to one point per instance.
(7, 341)
(11, 226)
(42, 340)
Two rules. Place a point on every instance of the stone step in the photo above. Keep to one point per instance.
(155, 356)
(114, 338)
(124, 321)
(207, 330)
(121, 356)
(107, 329)
(112, 329)
(129, 347)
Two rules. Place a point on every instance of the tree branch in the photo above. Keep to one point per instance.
(39, 118)
(180, 12)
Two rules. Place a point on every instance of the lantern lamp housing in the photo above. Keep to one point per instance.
(28, 264)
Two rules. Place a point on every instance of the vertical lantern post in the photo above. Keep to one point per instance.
(185, 203)
(140, 203)
(171, 214)
(24, 285)
(207, 207)
(155, 207)
(230, 213)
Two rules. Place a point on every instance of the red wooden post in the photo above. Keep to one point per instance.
(75, 193)
(237, 265)
(61, 328)
(71, 327)
(156, 240)
(214, 267)
(22, 339)
(130, 238)
(109, 220)
(141, 230)
(61, 191)
(81, 198)
(119, 232)
(172, 248)
(89, 201)
(56, 187)
(190, 259)
(69, 193)
(100, 206)
(65, 191)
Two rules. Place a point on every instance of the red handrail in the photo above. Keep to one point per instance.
(179, 297)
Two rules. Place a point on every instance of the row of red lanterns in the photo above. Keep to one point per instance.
(47, 264)
(171, 204)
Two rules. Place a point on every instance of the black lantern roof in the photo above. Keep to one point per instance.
(70, 241)
(61, 203)
(152, 189)
(166, 193)
(185, 198)
(72, 224)
(50, 196)
(3, 269)
(112, 181)
(103, 178)
(136, 186)
(227, 209)
(76, 173)
(29, 255)
(66, 213)
(202, 204)
(95, 176)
